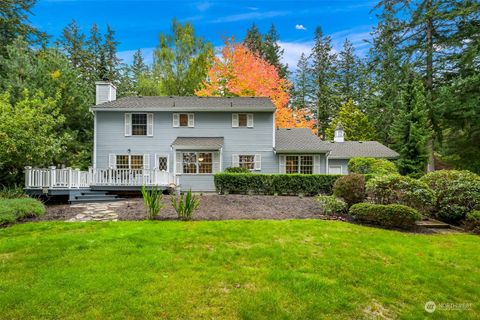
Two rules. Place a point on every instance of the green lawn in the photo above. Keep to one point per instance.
(233, 269)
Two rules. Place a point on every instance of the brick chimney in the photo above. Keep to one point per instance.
(105, 91)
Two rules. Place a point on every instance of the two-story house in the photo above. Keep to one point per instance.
(186, 140)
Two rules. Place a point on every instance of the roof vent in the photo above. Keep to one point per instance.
(231, 104)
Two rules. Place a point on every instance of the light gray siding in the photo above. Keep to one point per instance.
(111, 139)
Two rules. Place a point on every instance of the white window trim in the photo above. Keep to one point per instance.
(236, 120)
(112, 161)
(299, 162)
(179, 162)
(165, 155)
(190, 120)
(129, 124)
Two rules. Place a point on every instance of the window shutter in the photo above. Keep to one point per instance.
(112, 161)
(176, 120)
(155, 161)
(178, 162)
(149, 124)
(128, 124)
(146, 161)
(316, 164)
(258, 162)
(234, 120)
(191, 120)
(250, 120)
(281, 164)
(216, 162)
(235, 160)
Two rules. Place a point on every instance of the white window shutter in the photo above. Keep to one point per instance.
(216, 162)
(191, 120)
(146, 161)
(281, 164)
(112, 161)
(128, 124)
(235, 160)
(178, 163)
(155, 161)
(316, 164)
(250, 120)
(234, 120)
(176, 120)
(258, 162)
(150, 124)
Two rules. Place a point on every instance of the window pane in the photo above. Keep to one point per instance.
(246, 161)
(162, 163)
(205, 162)
(137, 162)
(139, 124)
(291, 164)
(306, 164)
(242, 119)
(183, 120)
(189, 162)
(122, 162)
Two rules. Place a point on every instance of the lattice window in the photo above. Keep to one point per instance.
(139, 124)
(189, 162)
(205, 162)
(291, 164)
(306, 164)
(246, 161)
(123, 162)
(163, 163)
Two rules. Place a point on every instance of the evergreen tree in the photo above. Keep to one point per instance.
(302, 92)
(410, 130)
(96, 54)
(181, 62)
(73, 43)
(347, 73)
(323, 72)
(355, 123)
(273, 53)
(112, 62)
(254, 40)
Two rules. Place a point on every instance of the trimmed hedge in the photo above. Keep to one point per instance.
(472, 222)
(12, 210)
(394, 188)
(270, 184)
(350, 188)
(236, 170)
(457, 192)
(371, 166)
(390, 215)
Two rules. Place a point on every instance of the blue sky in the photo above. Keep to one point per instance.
(138, 23)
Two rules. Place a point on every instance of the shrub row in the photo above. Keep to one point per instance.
(12, 210)
(391, 215)
(270, 184)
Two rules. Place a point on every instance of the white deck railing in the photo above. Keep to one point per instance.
(53, 178)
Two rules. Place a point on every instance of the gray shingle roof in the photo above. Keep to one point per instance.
(212, 143)
(302, 140)
(350, 149)
(174, 103)
(298, 140)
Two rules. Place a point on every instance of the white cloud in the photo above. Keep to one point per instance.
(203, 6)
(300, 27)
(293, 51)
(251, 15)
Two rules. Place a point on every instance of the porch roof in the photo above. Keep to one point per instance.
(198, 143)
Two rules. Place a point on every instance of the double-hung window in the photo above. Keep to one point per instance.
(247, 161)
(124, 161)
(242, 120)
(299, 164)
(197, 162)
(138, 124)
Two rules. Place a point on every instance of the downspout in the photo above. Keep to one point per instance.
(326, 162)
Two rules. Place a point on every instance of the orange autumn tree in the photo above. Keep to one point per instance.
(239, 72)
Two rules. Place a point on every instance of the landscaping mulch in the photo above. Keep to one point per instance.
(212, 207)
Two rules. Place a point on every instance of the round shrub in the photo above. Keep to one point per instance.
(472, 221)
(394, 188)
(390, 215)
(332, 205)
(457, 193)
(350, 188)
(237, 170)
(371, 166)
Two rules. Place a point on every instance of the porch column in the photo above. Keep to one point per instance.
(52, 177)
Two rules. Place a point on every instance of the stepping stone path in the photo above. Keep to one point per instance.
(96, 212)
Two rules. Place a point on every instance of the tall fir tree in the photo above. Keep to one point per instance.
(348, 69)
(302, 89)
(254, 40)
(323, 72)
(112, 62)
(411, 130)
(273, 53)
(73, 42)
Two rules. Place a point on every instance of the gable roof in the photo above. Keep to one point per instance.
(302, 140)
(192, 103)
(298, 140)
(200, 143)
(351, 149)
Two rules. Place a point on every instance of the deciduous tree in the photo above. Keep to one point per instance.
(355, 123)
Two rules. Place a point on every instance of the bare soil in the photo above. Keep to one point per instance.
(212, 207)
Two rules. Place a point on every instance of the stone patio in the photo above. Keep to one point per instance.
(103, 211)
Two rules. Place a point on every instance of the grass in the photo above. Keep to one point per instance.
(12, 210)
(300, 269)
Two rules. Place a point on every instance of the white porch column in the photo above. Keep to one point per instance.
(28, 176)
(53, 177)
